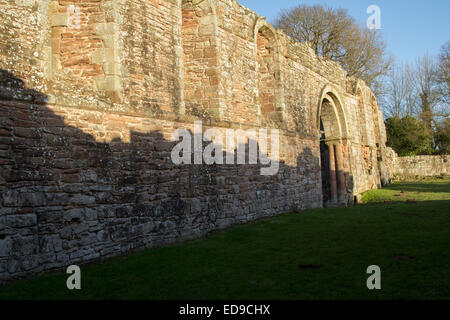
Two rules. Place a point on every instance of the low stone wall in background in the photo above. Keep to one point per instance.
(422, 166)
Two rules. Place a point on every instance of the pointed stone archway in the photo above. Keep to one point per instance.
(333, 130)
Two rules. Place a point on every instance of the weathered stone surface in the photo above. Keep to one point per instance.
(32, 199)
(73, 215)
(5, 247)
(88, 112)
(10, 198)
(421, 166)
(82, 200)
(21, 220)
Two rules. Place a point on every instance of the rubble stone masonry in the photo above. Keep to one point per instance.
(88, 112)
(422, 166)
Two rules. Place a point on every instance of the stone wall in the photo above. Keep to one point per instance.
(88, 112)
(422, 166)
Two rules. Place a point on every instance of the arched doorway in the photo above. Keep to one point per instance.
(333, 134)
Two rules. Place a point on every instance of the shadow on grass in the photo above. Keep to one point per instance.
(410, 192)
(426, 204)
(318, 254)
(435, 186)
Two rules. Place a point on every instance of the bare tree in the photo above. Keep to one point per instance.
(444, 72)
(422, 91)
(334, 34)
(429, 91)
(400, 98)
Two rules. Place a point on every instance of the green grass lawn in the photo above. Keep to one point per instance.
(317, 254)
(426, 190)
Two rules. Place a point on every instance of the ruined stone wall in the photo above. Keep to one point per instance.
(422, 166)
(88, 116)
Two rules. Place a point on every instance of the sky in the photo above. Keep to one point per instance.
(410, 28)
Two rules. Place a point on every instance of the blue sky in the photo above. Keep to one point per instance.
(410, 28)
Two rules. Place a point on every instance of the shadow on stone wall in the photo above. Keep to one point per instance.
(68, 199)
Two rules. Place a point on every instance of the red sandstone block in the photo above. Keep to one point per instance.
(70, 178)
(56, 32)
(20, 115)
(5, 133)
(24, 211)
(29, 133)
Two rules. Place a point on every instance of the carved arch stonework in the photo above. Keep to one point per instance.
(334, 148)
(332, 95)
